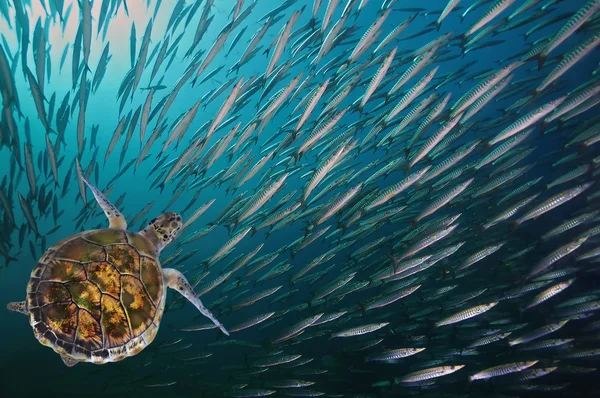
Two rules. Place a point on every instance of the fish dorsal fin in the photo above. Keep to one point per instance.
(115, 218)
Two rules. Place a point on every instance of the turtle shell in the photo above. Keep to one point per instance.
(97, 296)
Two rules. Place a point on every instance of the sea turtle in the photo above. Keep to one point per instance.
(98, 296)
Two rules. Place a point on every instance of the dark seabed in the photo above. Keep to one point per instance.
(391, 198)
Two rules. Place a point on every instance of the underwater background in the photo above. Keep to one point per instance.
(365, 262)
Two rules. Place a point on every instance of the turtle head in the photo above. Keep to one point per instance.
(163, 229)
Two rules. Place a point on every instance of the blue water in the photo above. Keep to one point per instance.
(28, 369)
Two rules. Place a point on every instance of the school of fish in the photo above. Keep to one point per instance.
(461, 250)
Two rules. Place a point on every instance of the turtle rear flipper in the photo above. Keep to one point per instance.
(70, 362)
(177, 281)
(17, 306)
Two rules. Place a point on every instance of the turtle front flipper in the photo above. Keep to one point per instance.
(115, 218)
(18, 306)
(70, 362)
(175, 280)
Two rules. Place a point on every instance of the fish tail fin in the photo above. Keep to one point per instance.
(86, 68)
(307, 229)
(463, 41)
(363, 309)
(435, 23)
(485, 146)
(390, 255)
(469, 381)
(204, 263)
(582, 149)
(8, 259)
(590, 169)
(413, 223)
(514, 224)
(252, 231)
(541, 58)
(542, 129)
(310, 302)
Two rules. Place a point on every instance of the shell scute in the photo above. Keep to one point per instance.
(65, 346)
(61, 319)
(63, 271)
(86, 295)
(138, 306)
(125, 259)
(40, 328)
(114, 323)
(81, 250)
(152, 279)
(48, 339)
(106, 236)
(89, 332)
(142, 244)
(38, 271)
(105, 276)
(52, 293)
